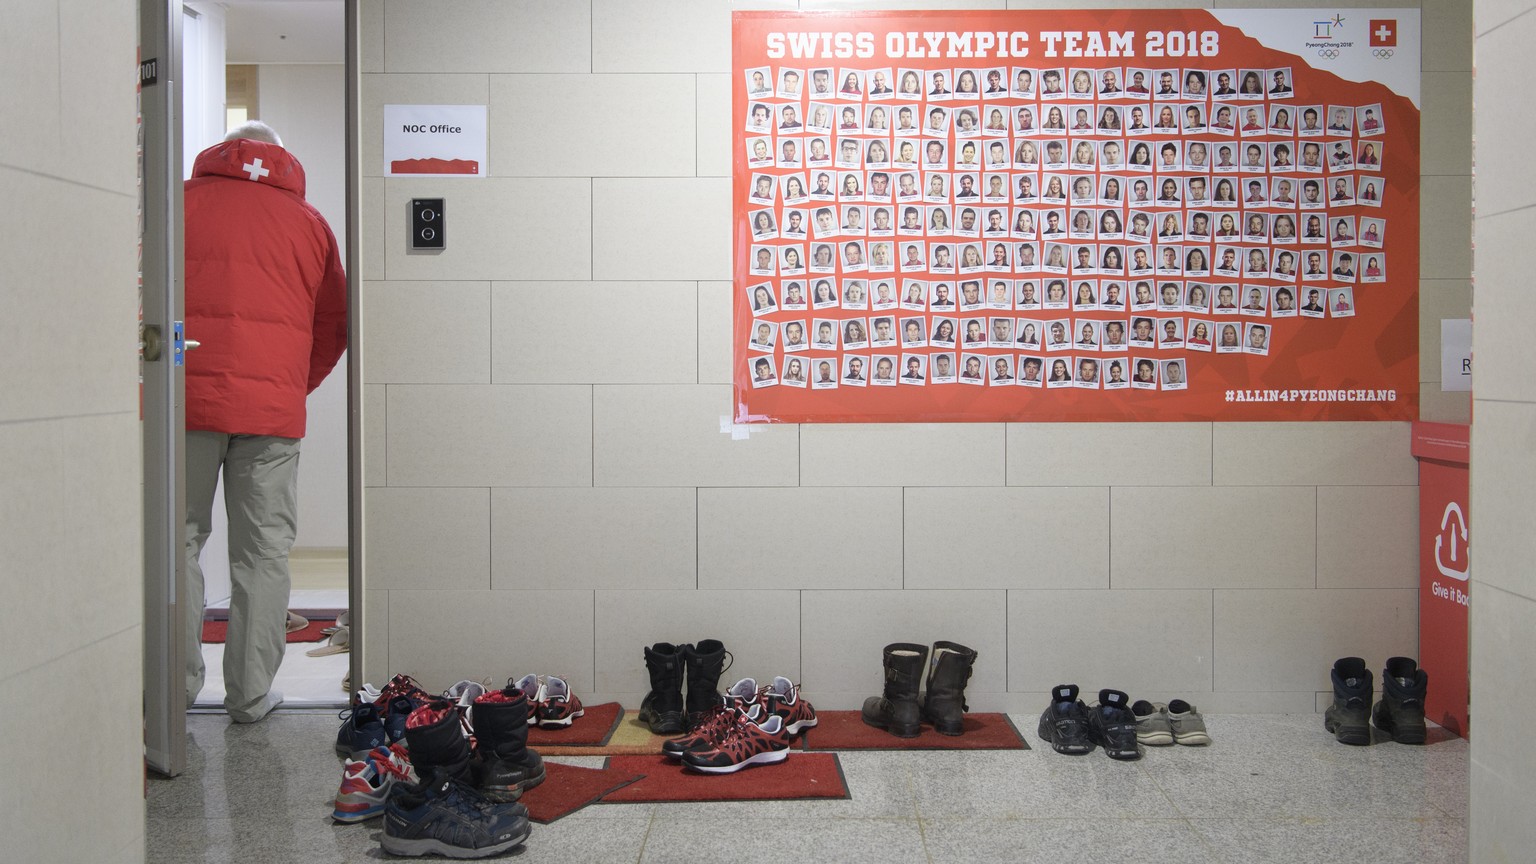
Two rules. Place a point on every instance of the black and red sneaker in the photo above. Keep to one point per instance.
(743, 697)
(744, 743)
(783, 699)
(559, 705)
(406, 686)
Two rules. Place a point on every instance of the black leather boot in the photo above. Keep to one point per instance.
(662, 708)
(896, 710)
(507, 767)
(1400, 712)
(1348, 718)
(944, 702)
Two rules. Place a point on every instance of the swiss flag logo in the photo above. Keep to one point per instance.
(1384, 33)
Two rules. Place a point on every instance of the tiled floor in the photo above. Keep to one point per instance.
(1272, 788)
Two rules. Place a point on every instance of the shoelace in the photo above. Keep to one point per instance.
(395, 760)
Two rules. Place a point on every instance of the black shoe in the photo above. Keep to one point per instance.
(705, 661)
(508, 767)
(446, 817)
(1400, 712)
(1112, 725)
(1349, 715)
(1065, 723)
(896, 709)
(944, 700)
(662, 707)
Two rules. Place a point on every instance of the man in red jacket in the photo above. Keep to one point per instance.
(267, 300)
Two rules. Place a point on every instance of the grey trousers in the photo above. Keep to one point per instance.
(261, 475)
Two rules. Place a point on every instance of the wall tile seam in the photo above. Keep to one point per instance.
(12, 673)
(1484, 217)
(493, 75)
(59, 418)
(1501, 24)
(1510, 596)
(130, 195)
(1495, 401)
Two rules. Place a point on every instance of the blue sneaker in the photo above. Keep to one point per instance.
(395, 713)
(450, 819)
(362, 729)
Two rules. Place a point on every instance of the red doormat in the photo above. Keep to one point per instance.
(567, 788)
(802, 775)
(215, 632)
(592, 729)
(844, 730)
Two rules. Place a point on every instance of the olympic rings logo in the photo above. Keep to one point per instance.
(1328, 53)
(1382, 53)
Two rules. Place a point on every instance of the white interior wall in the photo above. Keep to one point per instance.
(534, 505)
(1503, 445)
(305, 104)
(71, 547)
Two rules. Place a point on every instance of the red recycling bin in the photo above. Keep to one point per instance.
(1443, 451)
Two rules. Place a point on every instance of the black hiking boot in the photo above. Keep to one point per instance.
(1348, 718)
(662, 708)
(705, 662)
(1400, 712)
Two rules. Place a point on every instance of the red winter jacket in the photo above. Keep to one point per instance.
(265, 292)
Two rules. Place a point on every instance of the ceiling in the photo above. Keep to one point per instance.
(284, 31)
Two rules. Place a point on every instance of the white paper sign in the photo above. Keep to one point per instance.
(435, 140)
(1455, 354)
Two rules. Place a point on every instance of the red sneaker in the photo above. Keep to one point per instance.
(783, 699)
(745, 743)
(559, 705)
(742, 697)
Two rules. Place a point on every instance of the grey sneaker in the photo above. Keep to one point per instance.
(1152, 727)
(1187, 724)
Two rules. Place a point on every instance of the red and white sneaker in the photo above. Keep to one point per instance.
(783, 699)
(532, 688)
(365, 783)
(400, 685)
(742, 697)
(744, 743)
(559, 706)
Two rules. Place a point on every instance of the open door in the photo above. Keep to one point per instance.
(162, 374)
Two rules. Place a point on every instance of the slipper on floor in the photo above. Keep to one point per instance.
(296, 622)
(340, 643)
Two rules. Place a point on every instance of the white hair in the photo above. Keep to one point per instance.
(256, 131)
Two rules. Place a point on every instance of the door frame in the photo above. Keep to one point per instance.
(352, 75)
(163, 379)
(163, 390)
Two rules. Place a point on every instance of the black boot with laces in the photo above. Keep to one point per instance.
(1400, 712)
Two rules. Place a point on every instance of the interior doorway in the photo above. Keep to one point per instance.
(283, 64)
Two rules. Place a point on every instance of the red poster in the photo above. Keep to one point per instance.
(1075, 215)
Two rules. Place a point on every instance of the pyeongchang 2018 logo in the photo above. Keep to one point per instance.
(1327, 37)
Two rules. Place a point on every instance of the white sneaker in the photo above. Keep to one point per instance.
(463, 696)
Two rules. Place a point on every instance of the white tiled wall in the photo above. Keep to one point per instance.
(71, 534)
(588, 501)
(1503, 501)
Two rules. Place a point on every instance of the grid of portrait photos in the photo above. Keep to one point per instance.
(1046, 226)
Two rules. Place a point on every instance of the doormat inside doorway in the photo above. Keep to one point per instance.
(215, 632)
